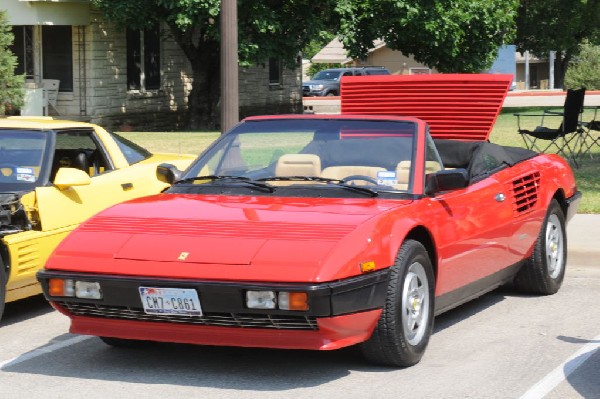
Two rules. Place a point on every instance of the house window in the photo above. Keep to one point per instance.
(22, 48)
(57, 55)
(274, 72)
(143, 45)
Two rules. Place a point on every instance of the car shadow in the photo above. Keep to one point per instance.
(583, 372)
(254, 369)
(24, 309)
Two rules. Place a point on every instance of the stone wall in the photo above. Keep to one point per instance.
(100, 92)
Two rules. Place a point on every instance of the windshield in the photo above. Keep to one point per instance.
(21, 159)
(311, 153)
(327, 75)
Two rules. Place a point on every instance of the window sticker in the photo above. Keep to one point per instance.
(387, 178)
(27, 171)
(29, 178)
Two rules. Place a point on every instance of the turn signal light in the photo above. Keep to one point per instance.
(61, 287)
(366, 267)
(73, 288)
(293, 300)
(277, 300)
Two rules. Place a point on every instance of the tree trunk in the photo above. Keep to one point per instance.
(561, 62)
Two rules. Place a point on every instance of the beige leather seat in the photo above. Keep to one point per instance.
(403, 171)
(298, 165)
(342, 172)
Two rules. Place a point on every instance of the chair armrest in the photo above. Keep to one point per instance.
(547, 111)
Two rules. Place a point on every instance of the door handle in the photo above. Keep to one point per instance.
(127, 186)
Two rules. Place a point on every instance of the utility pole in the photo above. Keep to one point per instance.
(230, 112)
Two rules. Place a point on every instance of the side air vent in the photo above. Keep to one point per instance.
(525, 192)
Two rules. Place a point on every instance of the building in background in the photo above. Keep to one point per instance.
(80, 66)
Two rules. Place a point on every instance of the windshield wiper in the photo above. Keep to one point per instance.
(232, 179)
(334, 182)
(300, 178)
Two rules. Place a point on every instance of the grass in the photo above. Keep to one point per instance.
(504, 132)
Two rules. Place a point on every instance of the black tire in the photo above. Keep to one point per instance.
(3, 282)
(544, 272)
(124, 343)
(394, 342)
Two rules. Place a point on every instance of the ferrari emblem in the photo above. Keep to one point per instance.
(183, 255)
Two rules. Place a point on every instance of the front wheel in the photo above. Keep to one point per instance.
(403, 330)
(544, 271)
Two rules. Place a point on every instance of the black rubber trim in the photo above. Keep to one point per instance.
(572, 205)
(477, 288)
(325, 300)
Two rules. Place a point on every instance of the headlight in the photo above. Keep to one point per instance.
(316, 87)
(87, 290)
(277, 300)
(260, 299)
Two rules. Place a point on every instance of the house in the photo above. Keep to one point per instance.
(80, 66)
(380, 55)
(530, 72)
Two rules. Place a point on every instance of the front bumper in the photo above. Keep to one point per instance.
(340, 313)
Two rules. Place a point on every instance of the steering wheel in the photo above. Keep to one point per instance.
(368, 179)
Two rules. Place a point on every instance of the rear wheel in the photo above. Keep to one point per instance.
(403, 330)
(545, 269)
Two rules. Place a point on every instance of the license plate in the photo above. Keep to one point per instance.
(170, 301)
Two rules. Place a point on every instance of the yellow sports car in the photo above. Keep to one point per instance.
(54, 174)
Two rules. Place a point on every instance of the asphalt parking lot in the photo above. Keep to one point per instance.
(502, 345)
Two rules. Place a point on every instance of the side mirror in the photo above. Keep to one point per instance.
(70, 177)
(168, 173)
(446, 180)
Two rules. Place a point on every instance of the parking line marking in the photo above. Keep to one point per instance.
(560, 373)
(43, 351)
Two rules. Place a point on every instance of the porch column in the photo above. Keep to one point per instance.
(551, 59)
(527, 70)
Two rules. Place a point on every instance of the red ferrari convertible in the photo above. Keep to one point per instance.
(317, 232)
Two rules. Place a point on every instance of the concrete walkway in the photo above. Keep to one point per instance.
(583, 239)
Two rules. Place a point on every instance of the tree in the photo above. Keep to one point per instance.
(449, 35)
(584, 70)
(267, 28)
(557, 25)
(11, 85)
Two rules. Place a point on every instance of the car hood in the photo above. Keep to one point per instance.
(226, 237)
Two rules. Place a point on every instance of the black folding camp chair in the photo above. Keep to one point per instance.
(591, 134)
(566, 139)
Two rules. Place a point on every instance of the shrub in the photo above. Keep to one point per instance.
(585, 69)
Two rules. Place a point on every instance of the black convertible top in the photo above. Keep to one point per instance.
(480, 158)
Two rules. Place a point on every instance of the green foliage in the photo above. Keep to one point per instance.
(585, 69)
(449, 35)
(266, 29)
(557, 25)
(11, 85)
